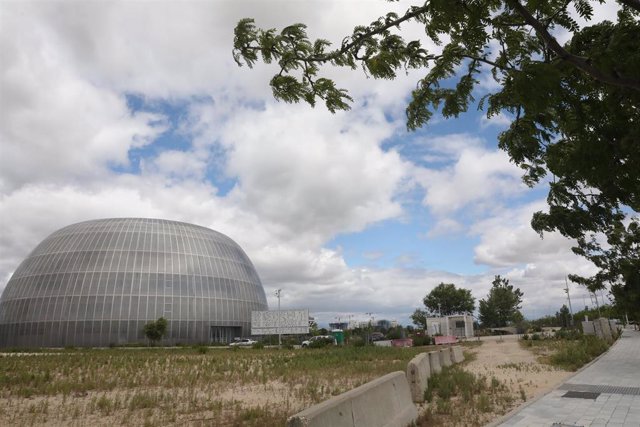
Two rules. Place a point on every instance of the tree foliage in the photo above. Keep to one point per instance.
(501, 307)
(419, 318)
(155, 330)
(574, 107)
(444, 299)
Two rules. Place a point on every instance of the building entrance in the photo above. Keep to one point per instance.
(224, 334)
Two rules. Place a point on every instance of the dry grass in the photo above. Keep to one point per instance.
(184, 385)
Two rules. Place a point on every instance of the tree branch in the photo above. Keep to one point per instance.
(348, 46)
(579, 62)
(633, 4)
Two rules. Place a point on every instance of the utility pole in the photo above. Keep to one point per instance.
(278, 292)
(566, 283)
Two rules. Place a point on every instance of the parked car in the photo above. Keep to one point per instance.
(326, 339)
(377, 336)
(243, 342)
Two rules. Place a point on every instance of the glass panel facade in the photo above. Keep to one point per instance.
(98, 282)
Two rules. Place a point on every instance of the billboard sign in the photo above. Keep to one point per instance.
(280, 322)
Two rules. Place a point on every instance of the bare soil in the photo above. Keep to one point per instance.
(515, 366)
(266, 401)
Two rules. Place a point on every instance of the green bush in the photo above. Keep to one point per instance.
(321, 343)
(535, 337)
(357, 342)
(568, 334)
(421, 341)
(572, 355)
(258, 346)
(525, 337)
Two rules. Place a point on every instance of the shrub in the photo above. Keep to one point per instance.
(320, 343)
(258, 346)
(154, 331)
(525, 337)
(572, 355)
(535, 337)
(357, 342)
(421, 340)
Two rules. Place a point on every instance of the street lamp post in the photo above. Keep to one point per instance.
(278, 292)
(569, 298)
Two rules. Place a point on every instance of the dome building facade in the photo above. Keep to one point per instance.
(97, 283)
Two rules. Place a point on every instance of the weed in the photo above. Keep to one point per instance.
(104, 405)
(484, 403)
(523, 395)
(443, 406)
(155, 386)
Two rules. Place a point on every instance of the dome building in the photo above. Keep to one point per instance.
(97, 283)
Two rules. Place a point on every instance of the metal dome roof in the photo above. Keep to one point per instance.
(98, 282)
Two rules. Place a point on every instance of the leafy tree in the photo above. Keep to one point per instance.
(155, 330)
(619, 265)
(574, 107)
(419, 318)
(313, 327)
(502, 304)
(564, 316)
(444, 299)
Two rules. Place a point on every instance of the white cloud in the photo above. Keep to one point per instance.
(313, 171)
(54, 124)
(500, 120)
(476, 179)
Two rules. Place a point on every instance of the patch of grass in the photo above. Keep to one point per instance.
(157, 386)
(568, 351)
(456, 397)
(572, 355)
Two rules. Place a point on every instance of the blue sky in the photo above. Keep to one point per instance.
(138, 109)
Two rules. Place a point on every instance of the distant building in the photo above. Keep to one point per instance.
(383, 324)
(98, 283)
(459, 325)
(339, 325)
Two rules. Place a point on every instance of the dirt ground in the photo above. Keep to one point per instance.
(515, 366)
(502, 359)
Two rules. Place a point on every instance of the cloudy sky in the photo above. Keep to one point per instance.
(137, 109)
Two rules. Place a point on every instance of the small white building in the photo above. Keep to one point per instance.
(459, 325)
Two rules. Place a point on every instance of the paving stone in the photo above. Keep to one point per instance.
(616, 376)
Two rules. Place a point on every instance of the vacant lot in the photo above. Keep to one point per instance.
(260, 387)
(182, 386)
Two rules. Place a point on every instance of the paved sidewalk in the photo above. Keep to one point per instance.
(606, 393)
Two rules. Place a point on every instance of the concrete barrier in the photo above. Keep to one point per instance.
(385, 401)
(614, 327)
(588, 327)
(418, 373)
(445, 357)
(603, 329)
(434, 361)
(456, 354)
